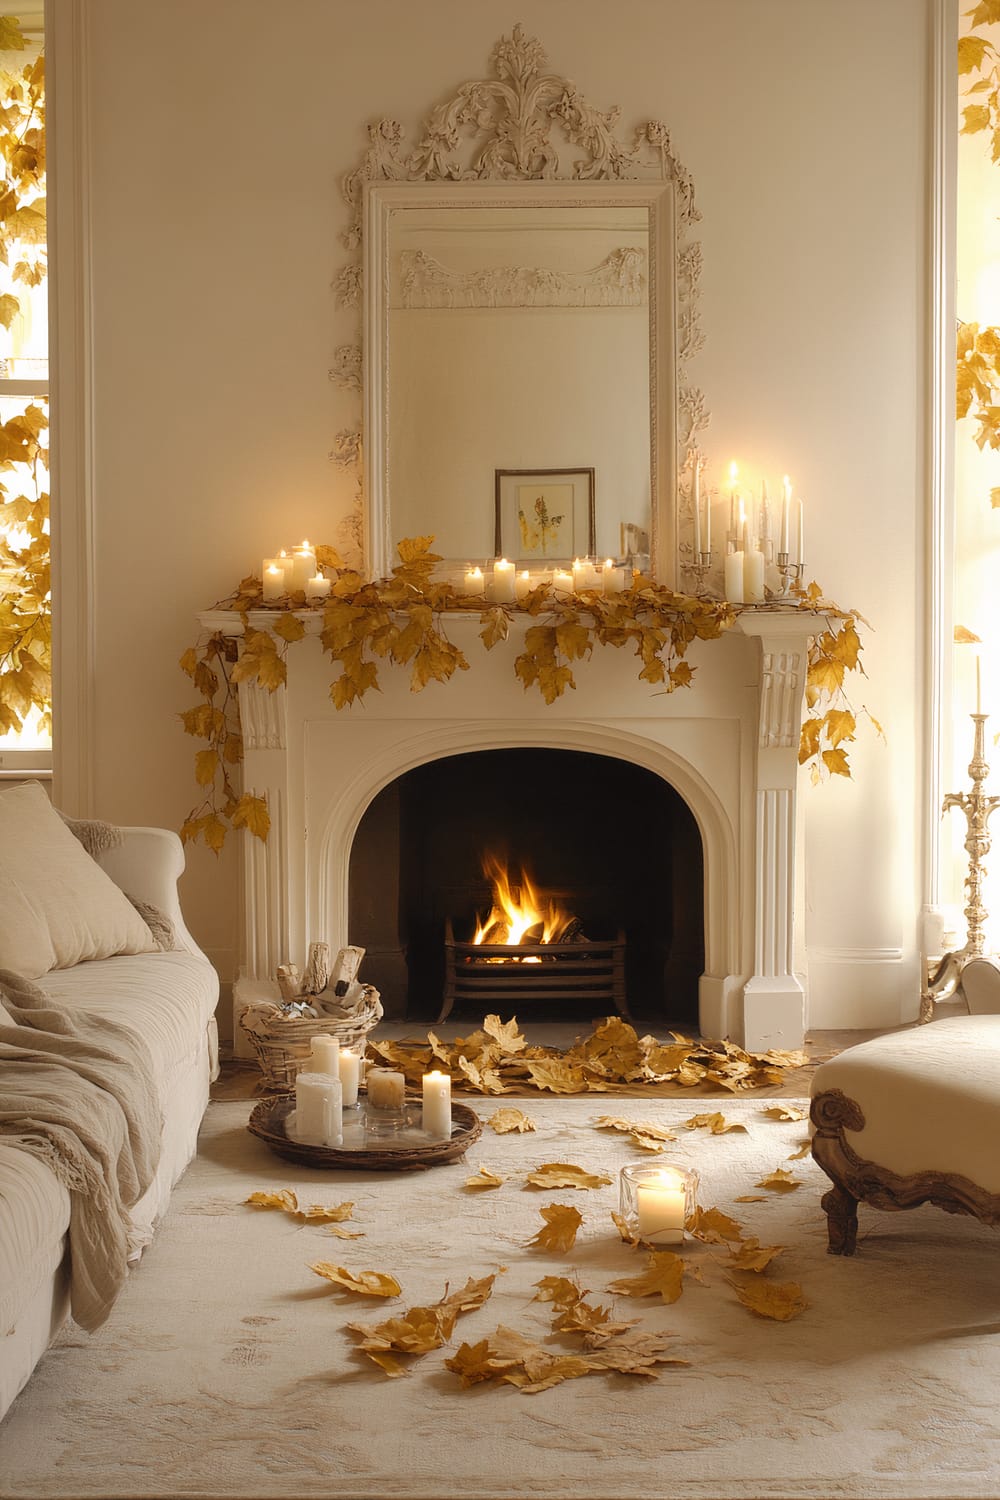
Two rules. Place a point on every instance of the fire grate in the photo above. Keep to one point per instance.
(486, 975)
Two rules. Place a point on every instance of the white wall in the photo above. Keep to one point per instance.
(219, 132)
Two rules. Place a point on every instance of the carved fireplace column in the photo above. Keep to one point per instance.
(774, 998)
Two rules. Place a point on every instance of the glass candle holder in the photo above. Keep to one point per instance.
(656, 1201)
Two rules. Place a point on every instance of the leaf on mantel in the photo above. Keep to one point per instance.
(289, 627)
(715, 1122)
(484, 1179)
(780, 1181)
(508, 1119)
(496, 626)
(563, 1174)
(780, 1300)
(366, 1283)
(663, 1278)
(562, 1222)
(784, 1112)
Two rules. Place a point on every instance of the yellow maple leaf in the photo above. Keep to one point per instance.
(780, 1181)
(595, 1323)
(505, 1033)
(780, 1300)
(206, 763)
(366, 1283)
(560, 1229)
(716, 1122)
(836, 762)
(557, 1075)
(484, 1179)
(289, 627)
(251, 813)
(496, 627)
(784, 1112)
(562, 1174)
(713, 1226)
(505, 1120)
(663, 1278)
(751, 1255)
(621, 1224)
(558, 1289)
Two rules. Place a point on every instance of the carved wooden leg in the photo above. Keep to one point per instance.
(841, 1220)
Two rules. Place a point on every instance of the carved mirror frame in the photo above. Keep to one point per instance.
(490, 134)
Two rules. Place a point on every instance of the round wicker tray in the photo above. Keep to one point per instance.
(384, 1153)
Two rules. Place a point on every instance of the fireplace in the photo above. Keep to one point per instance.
(727, 747)
(609, 843)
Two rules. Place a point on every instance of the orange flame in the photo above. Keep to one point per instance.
(518, 910)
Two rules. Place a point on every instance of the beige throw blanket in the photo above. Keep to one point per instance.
(79, 1092)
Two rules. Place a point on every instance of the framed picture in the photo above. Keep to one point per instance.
(544, 515)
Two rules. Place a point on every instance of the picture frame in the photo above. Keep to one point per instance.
(544, 515)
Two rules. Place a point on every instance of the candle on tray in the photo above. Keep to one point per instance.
(436, 1116)
(324, 1053)
(522, 585)
(318, 1109)
(349, 1069)
(660, 1208)
(303, 567)
(504, 586)
(473, 581)
(274, 579)
(386, 1089)
(317, 587)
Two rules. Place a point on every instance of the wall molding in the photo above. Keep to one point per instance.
(71, 388)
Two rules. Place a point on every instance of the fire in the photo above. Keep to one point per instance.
(520, 913)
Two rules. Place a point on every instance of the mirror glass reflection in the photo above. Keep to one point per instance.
(516, 359)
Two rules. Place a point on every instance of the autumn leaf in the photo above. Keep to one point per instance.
(558, 1289)
(715, 1122)
(505, 1034)
(622, 1225)
(780, 1181)
(663, 1278)
(594, 1323)
(289, 627)
(508, 1119)
(713, 1226)
(484, 1179)
(836, 762)
(560, 1229)
(780, 1300)
(751, 1255)
(419, 1330)
(560, 1174)
(784, 1112)
(366, 1283)
(251, 813)
(496, 627)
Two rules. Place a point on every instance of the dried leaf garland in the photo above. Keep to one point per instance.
(401, 619)
(559, 1232)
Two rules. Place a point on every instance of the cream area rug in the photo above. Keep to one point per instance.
(228, 1369)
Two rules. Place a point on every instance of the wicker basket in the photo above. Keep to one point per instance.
(282, 1042)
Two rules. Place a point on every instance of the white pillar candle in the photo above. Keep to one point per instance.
(612, 578)
(522, 585)
(801, 557)
(734, 496)
(324, 1053)
(318, 587)
(504, 591)
(318, 1109)
(303, 567)
(274, 580)
(473, 581)
(696, 502)
(753, 576)
(584, 574)
(733, 570)
(660, 1208)
(786, 501)
(349, 1069)
(562, 579)
(436, 1116)
(386, 1089)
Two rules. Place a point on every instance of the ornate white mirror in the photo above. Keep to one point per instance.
(526, 325)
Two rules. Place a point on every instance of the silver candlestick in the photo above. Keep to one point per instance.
(701, 564)
(790, 572)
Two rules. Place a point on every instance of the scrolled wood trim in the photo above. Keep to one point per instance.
(857, 1180)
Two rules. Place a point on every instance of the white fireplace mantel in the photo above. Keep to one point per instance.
(728, 745)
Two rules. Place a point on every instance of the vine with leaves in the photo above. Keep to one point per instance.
(25, 611)
(978, 349)
(402, 621)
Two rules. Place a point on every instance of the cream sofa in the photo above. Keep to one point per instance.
(166, 997)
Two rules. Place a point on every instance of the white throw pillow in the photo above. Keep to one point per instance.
(57, 906)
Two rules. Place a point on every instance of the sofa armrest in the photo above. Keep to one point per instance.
(147, 865)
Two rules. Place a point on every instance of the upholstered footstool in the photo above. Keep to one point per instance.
(910, 1118)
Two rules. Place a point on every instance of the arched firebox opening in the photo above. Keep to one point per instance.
(610, 843)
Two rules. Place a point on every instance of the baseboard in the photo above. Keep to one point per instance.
(862, 988)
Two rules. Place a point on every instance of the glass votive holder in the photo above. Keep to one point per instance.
(655, 1201)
